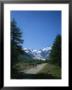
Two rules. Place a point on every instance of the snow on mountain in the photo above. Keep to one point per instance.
(46, 49)
(38, 54)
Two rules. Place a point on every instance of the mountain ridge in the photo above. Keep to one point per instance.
(38, 54)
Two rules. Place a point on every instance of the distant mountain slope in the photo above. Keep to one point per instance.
(38, 54)
(26, 58)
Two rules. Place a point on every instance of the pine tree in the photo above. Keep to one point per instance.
(55, 55)
(16, 44)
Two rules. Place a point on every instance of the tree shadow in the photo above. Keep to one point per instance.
(20, 75)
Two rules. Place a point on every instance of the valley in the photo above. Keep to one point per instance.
(35, 44)
(33, 64)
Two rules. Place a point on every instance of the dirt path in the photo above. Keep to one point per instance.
(34, 70)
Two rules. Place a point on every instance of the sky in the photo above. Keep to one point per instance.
(39, 28)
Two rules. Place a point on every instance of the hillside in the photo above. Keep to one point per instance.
(51, 69)
(26, 58)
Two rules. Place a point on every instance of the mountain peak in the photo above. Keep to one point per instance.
(38, 54)
(47, 48)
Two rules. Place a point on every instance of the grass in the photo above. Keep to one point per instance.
(21, 75)
(23, 66)
(51, 69)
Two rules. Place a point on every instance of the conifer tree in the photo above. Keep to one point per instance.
(55, 55)
(16, 44)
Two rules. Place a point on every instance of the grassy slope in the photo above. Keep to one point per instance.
(54, 70)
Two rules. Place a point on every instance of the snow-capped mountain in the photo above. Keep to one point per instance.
(38, 54)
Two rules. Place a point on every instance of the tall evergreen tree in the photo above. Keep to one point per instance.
(16, 44)
(55, 55)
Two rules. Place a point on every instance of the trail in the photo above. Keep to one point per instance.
(34, 70)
